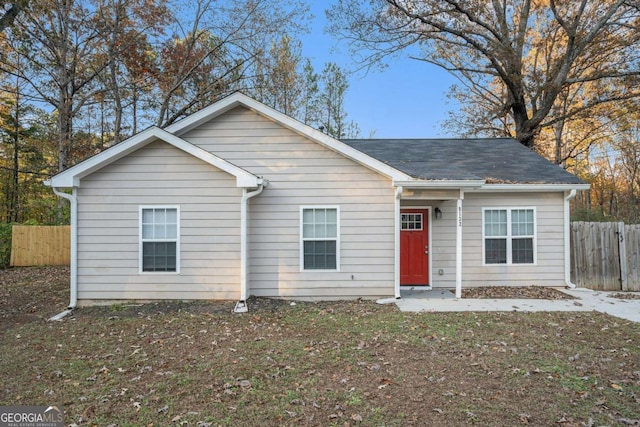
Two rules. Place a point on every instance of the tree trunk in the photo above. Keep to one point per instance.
(557, 132)
(65, 118)
(15, 191)
(117, 120)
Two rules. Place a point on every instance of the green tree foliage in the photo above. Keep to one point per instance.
(103, 69)
(26, 159)
(5, 245)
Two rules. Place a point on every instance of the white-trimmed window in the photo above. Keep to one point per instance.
(159, 239)
(320, 238)
(509, 235)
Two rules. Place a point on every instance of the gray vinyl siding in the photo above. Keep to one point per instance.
(549, 269)
(108, 227)
(302, 172)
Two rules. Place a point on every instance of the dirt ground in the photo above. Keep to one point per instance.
(351, 363)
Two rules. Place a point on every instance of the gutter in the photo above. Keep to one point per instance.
(241, 306)
(73, 291)
(567, 239)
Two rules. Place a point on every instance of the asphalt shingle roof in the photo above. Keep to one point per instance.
(496, 160)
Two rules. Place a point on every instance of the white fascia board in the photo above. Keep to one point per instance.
(489, 188)
(238, 99)
(440, 185)
(71, 177)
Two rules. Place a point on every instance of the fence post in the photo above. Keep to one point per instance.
(622, 253)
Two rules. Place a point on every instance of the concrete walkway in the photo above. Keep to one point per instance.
(440, 300)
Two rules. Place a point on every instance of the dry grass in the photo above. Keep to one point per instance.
(348, 363)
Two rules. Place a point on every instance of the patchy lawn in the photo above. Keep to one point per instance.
(343, 364)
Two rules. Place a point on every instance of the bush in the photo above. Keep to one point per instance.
(591, 215)
(5, 245)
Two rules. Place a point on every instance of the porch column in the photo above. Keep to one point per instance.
(459, 245)
(396, 244)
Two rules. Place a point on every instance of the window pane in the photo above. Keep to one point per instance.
(320, 255)
(320, 230)
(159, 216)
(522, 251)
(171, 231)
(159, 224)
(332, 216)
(495, 251)
(495, 223)
(319, 223)
(147, 216)
(172, 216)
(307, 231)
(522, 222)
(159, 256)
(411, 221)
(307, 216)
(158, 231)
(147, 231)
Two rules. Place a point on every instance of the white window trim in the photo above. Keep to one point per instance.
(177, 239)
(337, 238)
(510, 237)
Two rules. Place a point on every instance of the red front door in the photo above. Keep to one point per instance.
(414, 247)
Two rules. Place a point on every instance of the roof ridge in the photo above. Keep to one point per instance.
(429, 139)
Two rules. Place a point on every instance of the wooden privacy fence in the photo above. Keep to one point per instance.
(40, 245)
(605, 255)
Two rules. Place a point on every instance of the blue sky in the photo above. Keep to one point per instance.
(405, 100)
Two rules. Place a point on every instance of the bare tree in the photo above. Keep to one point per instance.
(218, 51)
(332, 116)
(279, 82)
(130, 23)
(530, 51)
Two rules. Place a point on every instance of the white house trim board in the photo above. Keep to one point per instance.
(238, 99)
(429, 184)
(567, 238)
(430, 221)
(71, 177)
(459, 245)
(530, 188)
(396, 243)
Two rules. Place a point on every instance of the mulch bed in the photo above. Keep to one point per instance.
(515, 292)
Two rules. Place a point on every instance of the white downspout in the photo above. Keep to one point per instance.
(567, 240)
(241, 306)
(396, 243)
(396, 251)
(73, 267)
(459, 245)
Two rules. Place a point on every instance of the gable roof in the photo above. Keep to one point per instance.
(71, 177)
(494, 160)
(238, 99)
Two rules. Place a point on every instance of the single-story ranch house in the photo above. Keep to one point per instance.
(239, 199)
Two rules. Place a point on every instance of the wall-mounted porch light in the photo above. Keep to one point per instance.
(438, 213)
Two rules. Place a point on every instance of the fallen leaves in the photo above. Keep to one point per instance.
(341, 363)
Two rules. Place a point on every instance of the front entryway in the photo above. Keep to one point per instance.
(414, 247)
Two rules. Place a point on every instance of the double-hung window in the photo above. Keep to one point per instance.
(320, 238)
(509, 235)
(159, 239)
